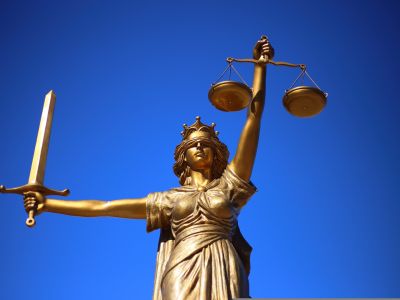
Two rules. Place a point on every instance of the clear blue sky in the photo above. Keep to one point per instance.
(325, 221)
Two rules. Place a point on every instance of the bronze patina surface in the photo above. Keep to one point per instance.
(230, 95)
(304, 101)
(201, 253)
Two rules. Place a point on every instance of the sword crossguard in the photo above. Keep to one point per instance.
(33, 187)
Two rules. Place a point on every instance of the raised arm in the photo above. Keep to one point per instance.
(243, 161)
(123, 208)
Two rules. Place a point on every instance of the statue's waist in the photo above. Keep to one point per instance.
(201, 233)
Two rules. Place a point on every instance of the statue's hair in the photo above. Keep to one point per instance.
(220, 159)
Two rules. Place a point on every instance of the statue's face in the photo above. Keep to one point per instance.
(200, 156)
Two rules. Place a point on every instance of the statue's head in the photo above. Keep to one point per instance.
(200, 149)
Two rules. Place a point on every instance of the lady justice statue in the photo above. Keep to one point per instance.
(201, 254)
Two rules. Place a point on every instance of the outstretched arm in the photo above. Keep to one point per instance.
(123, 208)
(243, 161)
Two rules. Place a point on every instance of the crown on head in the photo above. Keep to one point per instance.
(198, 126)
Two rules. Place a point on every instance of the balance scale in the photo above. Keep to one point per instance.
(300, 101)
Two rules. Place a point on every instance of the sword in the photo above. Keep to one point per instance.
(36, 176)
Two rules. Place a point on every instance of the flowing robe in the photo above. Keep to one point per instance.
(203, 254)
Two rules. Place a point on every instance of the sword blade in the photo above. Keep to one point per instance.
(36, 175)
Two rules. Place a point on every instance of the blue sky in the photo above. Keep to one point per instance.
(324, 222)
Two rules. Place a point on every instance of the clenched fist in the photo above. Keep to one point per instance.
(263, 49)
(34, 201)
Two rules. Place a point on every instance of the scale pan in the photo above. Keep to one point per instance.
(230, 95)
(304, 101)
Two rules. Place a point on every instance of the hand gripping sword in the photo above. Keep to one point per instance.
(36, 176)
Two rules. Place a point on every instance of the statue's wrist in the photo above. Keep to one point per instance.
(42, 207)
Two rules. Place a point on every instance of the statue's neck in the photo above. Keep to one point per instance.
(200, 178)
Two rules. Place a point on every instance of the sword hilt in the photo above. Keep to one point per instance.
(30, 221)
(33, 187)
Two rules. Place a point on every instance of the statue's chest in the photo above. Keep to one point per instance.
(212, 201)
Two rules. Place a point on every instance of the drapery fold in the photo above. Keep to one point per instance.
(203, 255)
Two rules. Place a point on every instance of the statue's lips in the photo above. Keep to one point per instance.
(200, 154)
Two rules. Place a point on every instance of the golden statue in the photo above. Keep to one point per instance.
(201, 253)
